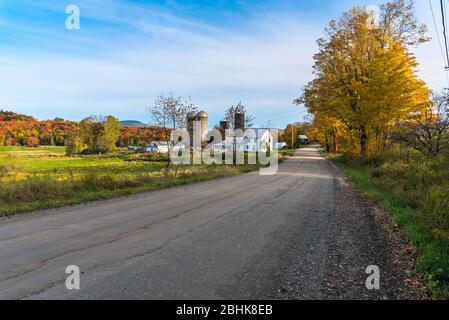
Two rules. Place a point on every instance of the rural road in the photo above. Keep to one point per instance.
(301, 234)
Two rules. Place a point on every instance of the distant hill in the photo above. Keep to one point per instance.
(12, 116)
(133, 124)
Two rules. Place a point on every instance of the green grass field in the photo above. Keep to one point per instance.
(51, 161)
(41, 178)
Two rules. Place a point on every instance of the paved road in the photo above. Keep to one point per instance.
(248, 236)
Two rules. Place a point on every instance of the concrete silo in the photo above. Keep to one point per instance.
(203, 119)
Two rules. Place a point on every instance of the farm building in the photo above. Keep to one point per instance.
(281, 145)
(303, 140)
(162, 147)
(262, 141)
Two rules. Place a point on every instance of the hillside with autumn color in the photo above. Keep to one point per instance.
(23, 130)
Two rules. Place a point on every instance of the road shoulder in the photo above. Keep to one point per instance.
(364, 234)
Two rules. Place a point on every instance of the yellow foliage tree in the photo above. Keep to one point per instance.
(366, 80)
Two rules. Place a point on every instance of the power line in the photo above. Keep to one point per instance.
(438, 33)
(446, 20)
(444, 31)
(438, 81)
(434, 73)
(445, 13)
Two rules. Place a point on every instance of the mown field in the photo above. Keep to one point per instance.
(20, 163)
(41, 178)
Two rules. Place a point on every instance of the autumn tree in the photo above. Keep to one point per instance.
(74, 144)
(32, 142)
(96, 134)
(19, 129)
(293, 131)
(365, 78)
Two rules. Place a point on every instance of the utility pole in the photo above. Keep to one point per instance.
(293, 144)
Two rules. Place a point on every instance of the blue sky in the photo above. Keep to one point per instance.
(129, 51)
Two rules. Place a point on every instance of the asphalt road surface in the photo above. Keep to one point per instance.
(301, 234)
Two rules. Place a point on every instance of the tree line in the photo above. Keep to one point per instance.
(22, 130)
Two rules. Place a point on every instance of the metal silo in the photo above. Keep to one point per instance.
(239, 121)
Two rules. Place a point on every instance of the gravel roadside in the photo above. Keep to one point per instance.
(327, 257)
(363, 235)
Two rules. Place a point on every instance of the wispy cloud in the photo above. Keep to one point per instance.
(156, 52)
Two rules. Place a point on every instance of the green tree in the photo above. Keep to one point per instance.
(96, 134)
(110, 134)
(74, 144)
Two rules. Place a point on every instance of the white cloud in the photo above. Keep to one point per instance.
(265, 68)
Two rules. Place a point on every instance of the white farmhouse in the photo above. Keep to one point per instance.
(260, 141)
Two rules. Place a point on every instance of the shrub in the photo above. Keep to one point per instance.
(435, 207)
(74, 145)
(32, 189)
(32, 142)
(155, 157)
(5, 170)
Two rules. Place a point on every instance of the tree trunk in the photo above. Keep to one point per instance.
(363, 141)
(334, 141)
(328, 147)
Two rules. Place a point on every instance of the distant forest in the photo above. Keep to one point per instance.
(22, 130)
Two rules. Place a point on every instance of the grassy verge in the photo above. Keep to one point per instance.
(432, 252)
(42, 193)
(287, 152)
